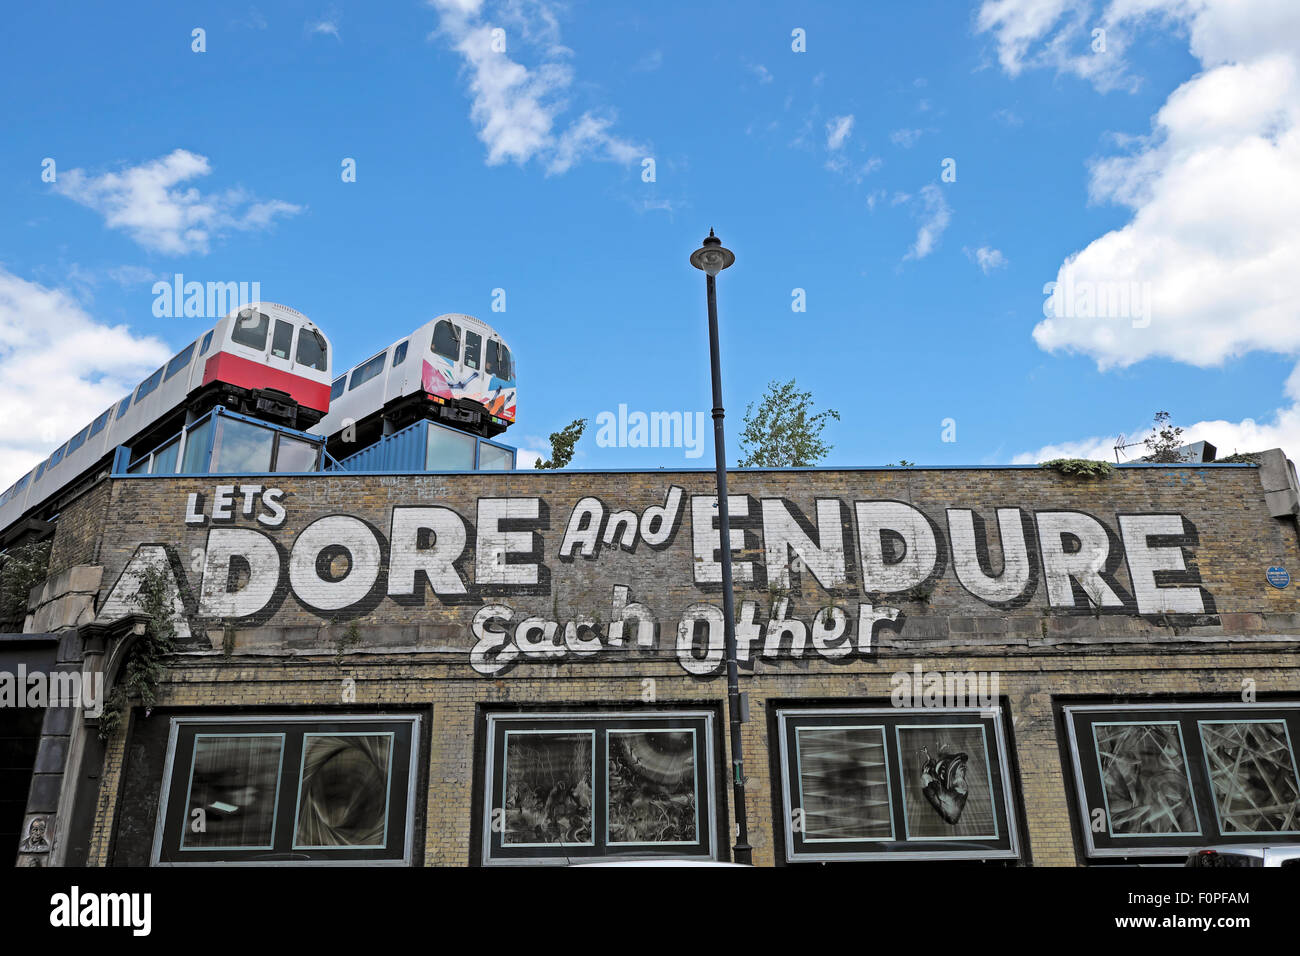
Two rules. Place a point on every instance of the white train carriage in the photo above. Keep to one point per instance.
(454, 370)
(263, 360)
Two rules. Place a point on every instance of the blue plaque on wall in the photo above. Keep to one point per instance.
(1278, 577)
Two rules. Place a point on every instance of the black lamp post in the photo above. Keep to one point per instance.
(711, 258)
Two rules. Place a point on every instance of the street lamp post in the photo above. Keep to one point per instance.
(711, 258)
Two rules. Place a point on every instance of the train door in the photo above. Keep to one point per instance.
(279, 355)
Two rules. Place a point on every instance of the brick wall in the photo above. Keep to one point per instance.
(1048, 639)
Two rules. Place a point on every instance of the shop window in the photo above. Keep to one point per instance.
(567, 787)
(280, 790)
(896, 783)
(1162, 779)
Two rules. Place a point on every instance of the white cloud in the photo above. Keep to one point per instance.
(516, 107)
(838, 130)
(906, 138)
(330, 27)
(762, 72)
(1281, 430)
(1214, 233)
(153, 206)
(987, 258)
(934, 220)
(59, 368)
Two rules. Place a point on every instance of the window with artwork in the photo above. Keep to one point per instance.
(1157, 780)
(891, 783)
(288, 790)
(580, 786)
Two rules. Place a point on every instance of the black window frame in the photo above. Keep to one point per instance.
(149, 384)
(457, 335)
(235, 327)
(362, 373)
(477, 346)
(98, 424)
(1084, 772)
(78, 440)
(180, 360)
(278, 327)
(491, 783)
(496, 359)
(402, 799)
(900, 844)
(306, 334)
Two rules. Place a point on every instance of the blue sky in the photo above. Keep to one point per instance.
(1165, 162)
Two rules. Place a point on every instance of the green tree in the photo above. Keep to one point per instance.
(21, 569)
(562, 443)
(785, 430)
(1164, 441)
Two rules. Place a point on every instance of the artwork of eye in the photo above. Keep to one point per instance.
(652, 787)
(1144, 777)
(343, 800)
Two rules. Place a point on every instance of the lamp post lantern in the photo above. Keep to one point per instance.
(711, 258)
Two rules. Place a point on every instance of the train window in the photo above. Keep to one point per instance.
(312, 351)
(473, 349)
(121, 409)
(207, 340)
(98, 424)
(399, 355)
(181, 360)
(497, 360)
(446, 340)
(78, 439)
(57, 456)
(364, 373)
(41, 470)
(282, 339)
(250, 329)
(148, 385)
(337, 388)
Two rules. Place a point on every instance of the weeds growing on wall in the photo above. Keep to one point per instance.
(143, 669)
(1080, 467)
